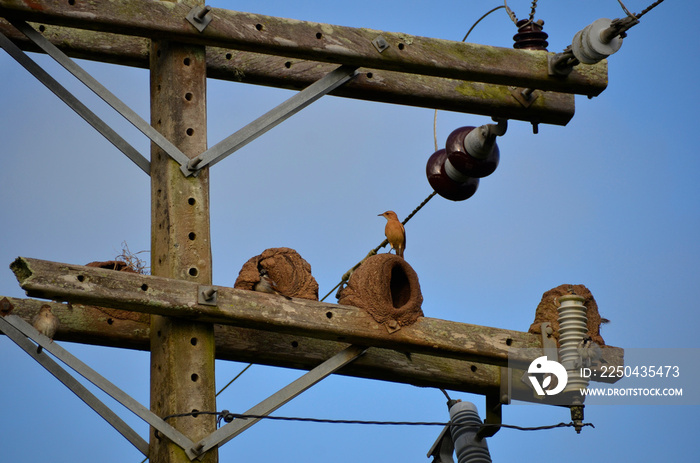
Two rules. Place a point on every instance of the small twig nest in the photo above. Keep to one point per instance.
(387, 288)
(286, 268)
(547, 311)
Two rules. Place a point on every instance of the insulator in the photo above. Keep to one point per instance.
(530, 35)
(466, 423)
(452, 185)
(474, 156)
(589, 45)
(573, 327)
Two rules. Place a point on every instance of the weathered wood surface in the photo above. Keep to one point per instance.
(266, 312)
(315, 41)
(295, 74)
(123, 329)
(182, 352)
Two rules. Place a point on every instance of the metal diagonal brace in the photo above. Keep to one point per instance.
(281, 397)
(272, 118)
(7, 327)
(101, 91)
(75, 104)
(12, 325)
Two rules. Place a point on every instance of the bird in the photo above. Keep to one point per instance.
(46, 323)
(395, 233)
(589, 352)
(267, 285)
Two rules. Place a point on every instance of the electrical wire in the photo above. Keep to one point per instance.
(227, 416)
(231, 382)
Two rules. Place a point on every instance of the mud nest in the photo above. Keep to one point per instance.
(547, 311)
(290, 272)
(387, 288)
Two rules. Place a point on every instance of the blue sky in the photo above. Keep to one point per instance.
(609, 201)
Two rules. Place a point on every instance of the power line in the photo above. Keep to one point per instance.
(227, 416)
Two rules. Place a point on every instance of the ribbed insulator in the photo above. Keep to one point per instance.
(530, 35)
(573, 327)
(466, 421)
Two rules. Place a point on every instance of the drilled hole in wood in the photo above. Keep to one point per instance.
(370, 75)
(192, 236)
(186, 61)
(193, 271)
(110, 321)
(71, 2)
(188, 96)
(319, 35)
(195, 413)
(194, 377)
(190, 131)
(158, 53)
(229, 56)
(191, 201)
(288, 64)
(329, 314)
(259, 27)
(81, 278)
(193, 341)
(42, 28)
(158, 333)
(509, 342)
(401, 46)
(295, 344)
(144, 287)
(473, 368)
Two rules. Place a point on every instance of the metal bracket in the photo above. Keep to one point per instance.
(443, 448)
(549, 344)
(272, 118)
(281, 397)
(108, 97)
(206, 295)
(18, 331)
(380, 44)
(199, 17)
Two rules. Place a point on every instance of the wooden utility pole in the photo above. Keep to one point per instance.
(182, 352)
(180, 50)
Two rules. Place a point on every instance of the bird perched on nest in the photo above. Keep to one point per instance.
(46, 323)
(395, 233)
(267, 285)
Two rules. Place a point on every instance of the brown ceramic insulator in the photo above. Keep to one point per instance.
(387, 288)
(547, 311)
(530, 36)
(443, 184)
(465, 163)
(290, 273)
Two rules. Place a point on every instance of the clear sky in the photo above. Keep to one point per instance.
(609, 201)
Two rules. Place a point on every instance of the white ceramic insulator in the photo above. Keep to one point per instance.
(573, 327)
(588, 46)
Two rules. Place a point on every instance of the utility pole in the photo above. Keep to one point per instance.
(182, 352)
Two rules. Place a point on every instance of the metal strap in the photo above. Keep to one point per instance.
(101, 91)
(272, 118)
(281, 397)
(55, 369)
(75, 104)
(95, 378)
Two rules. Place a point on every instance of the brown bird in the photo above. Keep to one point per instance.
(267, 285)
(46, 323)
(395, 233)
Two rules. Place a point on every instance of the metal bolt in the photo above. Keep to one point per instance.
(380, 44)
(209, 294)
(199, 16)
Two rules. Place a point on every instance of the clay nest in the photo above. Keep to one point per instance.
(290, 272)
(547, 311)
(387, 288)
